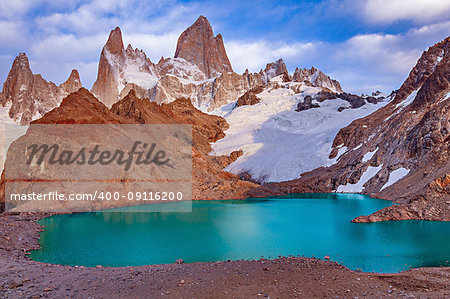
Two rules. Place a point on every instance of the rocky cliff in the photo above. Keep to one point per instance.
(317, 78)
(120, 70)
(198, 45)
(401, 151)
(31, 96)
(199, 71)
(210, 94)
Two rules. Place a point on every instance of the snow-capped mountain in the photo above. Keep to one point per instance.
(281, 141)
(269, 126)
(119, 69)
(317, 78)
(200, 71)
(400, 151)
(290, 120)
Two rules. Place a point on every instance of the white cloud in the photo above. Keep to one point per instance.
(68, 47)
(13, 9)
(385, 53)
(363, 63)
(255, 55)
(154, 45)
(55, 56)
(12, 34)
(94, 16)
(382, 60)
(419, 11)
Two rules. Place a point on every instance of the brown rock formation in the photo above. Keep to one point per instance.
(306, 104)
(210, 182)
(198, 45)
(31, 96)
(316, 78)
(250, 98)
(81, 107)
(106, 87)
(276, 68)
(73, 83)
(121, 69)
(423, 69)
(206, 95)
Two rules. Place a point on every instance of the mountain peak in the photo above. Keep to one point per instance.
(74, 75)
(31, 96)
(21, 61)
(19, 80)
(424, 68)
(73, 83)
(21, 64)
(317, 78)
(202, 21)
(114, 45)
(279, 67)
(198, 45)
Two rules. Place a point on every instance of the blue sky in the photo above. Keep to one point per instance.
(367, 45)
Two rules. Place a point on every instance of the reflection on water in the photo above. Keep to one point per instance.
(298, 224)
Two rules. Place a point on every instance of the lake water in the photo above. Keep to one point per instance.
(298, 224)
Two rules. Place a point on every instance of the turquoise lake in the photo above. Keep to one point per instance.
(298, 224)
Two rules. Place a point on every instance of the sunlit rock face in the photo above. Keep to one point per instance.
(198, 45)
(30, 95)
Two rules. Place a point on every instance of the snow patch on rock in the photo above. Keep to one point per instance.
(359, 186)
(395, 176)
(369, 155)
(407, 101)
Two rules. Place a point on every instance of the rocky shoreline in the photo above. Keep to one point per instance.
(293, 277)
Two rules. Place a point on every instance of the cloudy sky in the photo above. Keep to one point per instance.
(365, 44)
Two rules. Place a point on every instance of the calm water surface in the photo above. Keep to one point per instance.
(298, 224)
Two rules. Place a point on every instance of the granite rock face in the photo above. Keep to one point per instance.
(250, 97)
(31, 96)
(306, 104)
(198, 45)
(199, 71)
(73, 83)
(316, 78)
(276, 68)
(119, 67)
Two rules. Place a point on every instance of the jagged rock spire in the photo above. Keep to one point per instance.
(73, 83)
(198, 45)
(106, 87)
(31, 96)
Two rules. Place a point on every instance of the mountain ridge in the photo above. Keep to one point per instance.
(198, 45)
(200, 71)
(30, 95)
